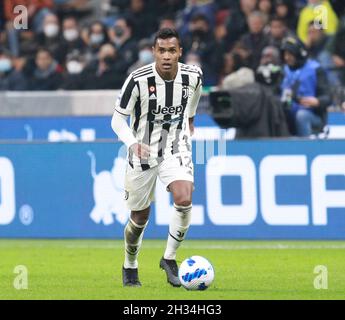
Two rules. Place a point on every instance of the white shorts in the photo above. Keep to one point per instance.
(140, 185)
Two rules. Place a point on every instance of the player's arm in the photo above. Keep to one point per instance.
(123, 108)
(195, 102)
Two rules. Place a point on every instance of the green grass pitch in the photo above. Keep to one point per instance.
(91, 269)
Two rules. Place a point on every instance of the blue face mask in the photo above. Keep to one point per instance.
(146, 56)
(5, 65)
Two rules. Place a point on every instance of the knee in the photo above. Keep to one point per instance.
(140, 217)
(302, 116)
(183, 199)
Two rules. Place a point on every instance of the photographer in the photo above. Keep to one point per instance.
(249, 104)
(304, 90)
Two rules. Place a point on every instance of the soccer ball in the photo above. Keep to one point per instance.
(196, 273)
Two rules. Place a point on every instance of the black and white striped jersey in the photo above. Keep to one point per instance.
(159, 110)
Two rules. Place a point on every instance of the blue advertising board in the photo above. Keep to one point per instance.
(276, 189)
(91, 128)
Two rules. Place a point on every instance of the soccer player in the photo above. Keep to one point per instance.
(161, 99)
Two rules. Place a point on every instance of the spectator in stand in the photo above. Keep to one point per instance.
(221, 32)
(37, 10)
(286, 10)
(278, 31)
(143, 19)
(47, 74)
(233, 61)
(73, 77)
(270, 55)
(201, 40)
(126, 46)
(104, 73)
(304, 90)
(318, 44)
(255, 40)
(311, 13)
(206, 8)
(269, 72)
(240, 76)
(10, 78)
(237, 21)
(338, 52)
(71, 40)
(50, 38)
(266, 7)
(167, 21)
(94, 37)
(145, 55)
(76, 8)
(169, 6)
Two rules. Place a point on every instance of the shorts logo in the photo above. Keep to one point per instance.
(180, 234)
(126, 195)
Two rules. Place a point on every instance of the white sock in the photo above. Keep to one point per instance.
(133, 235)
(178, 228)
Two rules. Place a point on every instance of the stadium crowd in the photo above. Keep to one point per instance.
(87, 44)
(294, 48)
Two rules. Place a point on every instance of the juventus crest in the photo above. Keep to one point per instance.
(185, 92)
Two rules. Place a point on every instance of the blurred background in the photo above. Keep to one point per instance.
(94, 45)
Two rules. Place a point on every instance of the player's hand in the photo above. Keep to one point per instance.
(309, 102)
(141, 150)
(191, 126)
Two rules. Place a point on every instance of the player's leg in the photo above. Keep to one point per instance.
(178, 227)
(140, 186)
(177, 175)
(133, 235)
(182, 194)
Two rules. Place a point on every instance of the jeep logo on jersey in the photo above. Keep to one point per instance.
(173, 110)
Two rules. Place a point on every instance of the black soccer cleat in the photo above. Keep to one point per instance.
(130, 277)
(171, 269)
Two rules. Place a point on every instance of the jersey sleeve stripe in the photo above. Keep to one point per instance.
(139, 72)
(184, 101)
(143, 74)
(124, 114)
(127, 94)
(151, 87)
(169, 96)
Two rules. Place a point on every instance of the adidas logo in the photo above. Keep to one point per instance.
(152, 96)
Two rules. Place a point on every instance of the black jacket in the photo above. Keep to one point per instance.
(253, 111)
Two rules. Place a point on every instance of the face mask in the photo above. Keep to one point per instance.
(51, 30)
(74, 67)
(146, 56)
(109, 60)
(119, 32)
(71, 34)
(199, 33)
(5, 65)
(96, 38)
